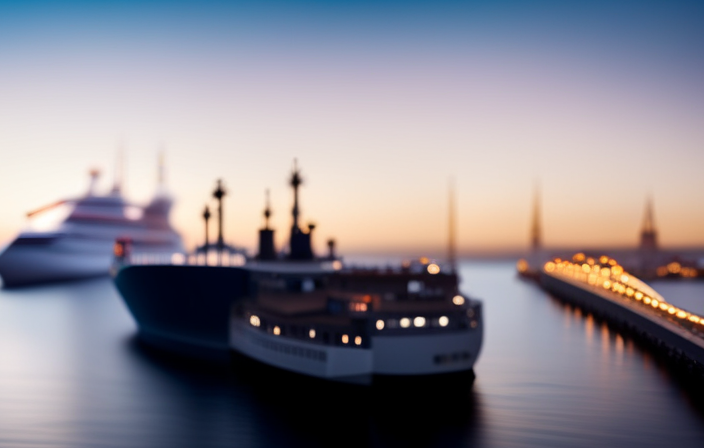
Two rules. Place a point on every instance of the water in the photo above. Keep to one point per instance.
(73, 374)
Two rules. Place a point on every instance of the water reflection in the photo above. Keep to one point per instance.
(309, 412)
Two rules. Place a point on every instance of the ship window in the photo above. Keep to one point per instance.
(443, 321)
(379, 324)
(307, 285)
(415, 286)
(311, 333)
(345, 339)
(358, 340)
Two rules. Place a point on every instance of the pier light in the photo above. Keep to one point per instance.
(624, 278)
(419, 321)
(682, 314)
(654, 303)
(646, 300)
(630, 292)
(603, 259)
(405, 322)
(358, 340)
(586, 268)
(617, 270)
(694, 319)
(433, 269)
(607, 284)
(458, 300)
(638, 295)
(345, 339)
(578, 257)
(590, 261)
(379, 324)
(672, 310)
(664, 306)
(277, 330)
(254, 321)
(443, 321)
(605, 272)
(311, 333)
(549, 266)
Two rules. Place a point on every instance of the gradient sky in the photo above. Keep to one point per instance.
(383, 102)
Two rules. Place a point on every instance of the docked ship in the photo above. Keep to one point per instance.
(74, 238)
(307, 314)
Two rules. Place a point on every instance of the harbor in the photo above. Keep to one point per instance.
(550, 375)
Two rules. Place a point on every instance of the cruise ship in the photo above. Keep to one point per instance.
(74, 238)
(306, 314)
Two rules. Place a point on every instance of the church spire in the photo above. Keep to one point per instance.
(648, 235)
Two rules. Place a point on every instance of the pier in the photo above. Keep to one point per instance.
(602, 286)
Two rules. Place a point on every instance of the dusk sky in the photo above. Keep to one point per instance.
(599, 103)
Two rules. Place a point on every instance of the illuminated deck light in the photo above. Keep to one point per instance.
(672, 310)
(357, 340)
(433, 269)
(638, 295)
(311, 333)
(254, 321)
(277, 330)
(419, 321)
(379, 324)
(405, 322)
(443, 321)
(458, 300)
(345, 339)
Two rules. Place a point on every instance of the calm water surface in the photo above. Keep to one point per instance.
(73, 374)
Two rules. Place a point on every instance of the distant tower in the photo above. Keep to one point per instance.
(451, 242)
(648, 234)
(535, 231)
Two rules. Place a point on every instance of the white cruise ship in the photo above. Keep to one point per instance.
(74, 238)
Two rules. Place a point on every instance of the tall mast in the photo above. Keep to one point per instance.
(451, 243)
(218, 194)
(296, 181)
(267, 211)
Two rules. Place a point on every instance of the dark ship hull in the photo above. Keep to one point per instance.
(184, 308)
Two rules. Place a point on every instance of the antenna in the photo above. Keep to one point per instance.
(119, 170)
(451, 242)
(535, 232)
(161, 174)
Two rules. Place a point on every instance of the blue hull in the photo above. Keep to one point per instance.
(185, 307)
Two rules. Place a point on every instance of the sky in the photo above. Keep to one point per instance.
(597, 105)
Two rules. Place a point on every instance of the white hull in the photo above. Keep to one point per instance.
(66, 258)
(406, 355)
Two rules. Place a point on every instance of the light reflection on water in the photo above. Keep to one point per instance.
(72, 373)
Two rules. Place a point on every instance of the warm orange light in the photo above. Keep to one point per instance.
(638, 295)
(358, 340)
(603, 259)
(443, 321)
(579, 257)
(674, 267)
(345, 339)
(522, 265)
(379, 324)
(311, 333)
(549, 266)
(433, 269)
(254, 321)
(647, 300)
(458, 300)
(277, 330)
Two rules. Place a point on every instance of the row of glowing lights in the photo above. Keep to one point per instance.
(614, 278)
(404, 322)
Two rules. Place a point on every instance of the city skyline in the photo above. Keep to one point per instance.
(383, 104)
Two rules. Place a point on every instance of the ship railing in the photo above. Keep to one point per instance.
(179, 258)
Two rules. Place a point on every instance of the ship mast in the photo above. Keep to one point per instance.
(296, 181)
(218, 194)
(451, 243)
